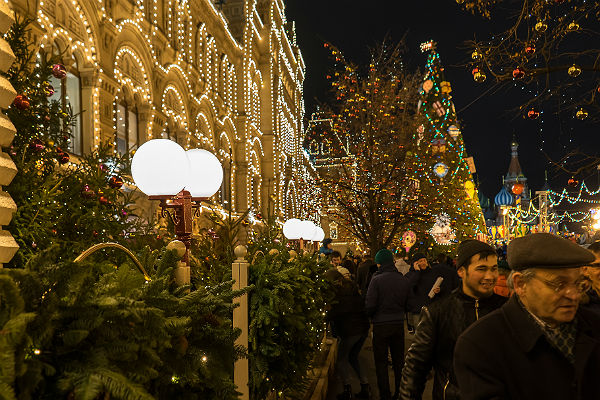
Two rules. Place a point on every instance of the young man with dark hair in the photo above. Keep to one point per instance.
(443, 321)
(336, 262)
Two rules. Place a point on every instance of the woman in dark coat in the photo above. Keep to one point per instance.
(350, 325)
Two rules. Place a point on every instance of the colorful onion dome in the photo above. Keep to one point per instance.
(503, 198)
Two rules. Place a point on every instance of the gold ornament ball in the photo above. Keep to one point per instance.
(541, 26)
(574, 70)
(479, 77)
(581, 114)
(573, 26)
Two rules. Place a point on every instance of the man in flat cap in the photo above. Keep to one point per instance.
(539, 345)
(444, 320)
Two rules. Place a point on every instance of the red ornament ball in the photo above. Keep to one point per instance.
(63, 158)
(518, 73)
(518, 188)
(533, 113)
(36, 145)
(103, 200)
(21, 102)
(59, 71)
(87, 192)
(573, 182)
(115, 182)
(530, 49)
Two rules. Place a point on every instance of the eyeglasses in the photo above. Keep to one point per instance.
(581, 285)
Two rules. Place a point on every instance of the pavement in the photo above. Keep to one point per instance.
(367, 362)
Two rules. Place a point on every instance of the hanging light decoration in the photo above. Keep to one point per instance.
(475, 55)
(574, 70)
(478, 75)
(533, 113)
(581, 114)
(573, 26)
(518, 73)
(541, 26)
(530, 48)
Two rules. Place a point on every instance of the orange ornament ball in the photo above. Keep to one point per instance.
(518, 188)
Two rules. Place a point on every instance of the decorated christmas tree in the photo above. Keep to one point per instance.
(439, 169)
(62, 200)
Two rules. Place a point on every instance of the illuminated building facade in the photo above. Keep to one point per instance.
(226, 76)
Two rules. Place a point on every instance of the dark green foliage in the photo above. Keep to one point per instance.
(94, 329)
(287, 304)
(53, 205)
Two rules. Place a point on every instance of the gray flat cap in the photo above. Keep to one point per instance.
(545, 250)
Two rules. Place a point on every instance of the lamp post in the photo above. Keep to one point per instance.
(180, 180)
(295, 229)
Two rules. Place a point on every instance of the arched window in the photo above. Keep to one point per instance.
(127, 127)
(67, 92)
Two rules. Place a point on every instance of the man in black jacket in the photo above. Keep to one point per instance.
(443, 321)
(539, 345)
(386, 304)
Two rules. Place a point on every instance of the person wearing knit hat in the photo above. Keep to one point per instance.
(445, 319)
(385, 303)
(540, 344)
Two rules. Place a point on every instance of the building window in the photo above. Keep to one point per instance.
(67, 92)
(127, 128)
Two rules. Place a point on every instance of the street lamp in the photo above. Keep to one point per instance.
(180, 180)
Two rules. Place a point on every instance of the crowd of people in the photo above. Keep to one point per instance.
(519, 322)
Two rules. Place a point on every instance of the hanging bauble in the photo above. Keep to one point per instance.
(475, 55)
(518, 188)
(518, 73)
(440, 170)
(115, 182)
(59, 71)
(48, 89)
(453, 131)
(573, 26)
(479, 77)
(421, 128)
(574, 70)
(533, 113)
(572, 182)
(470, 189)
(581, 114)
(446, 87)
(530, 49)
(21, 102)
(63, 158)
(36, 145)
(437, 106)
(541, 26)
(103, 200)
(409, 238)
(87, 192)
(427, 85)
(438, 145)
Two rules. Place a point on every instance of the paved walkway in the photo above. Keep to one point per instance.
(366, 361)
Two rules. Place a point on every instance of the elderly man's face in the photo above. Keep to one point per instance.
(543, 296)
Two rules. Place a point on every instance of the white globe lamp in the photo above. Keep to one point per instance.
(291, 229)
(160, 168)
(319, 235)
(206, 173)
(308, 230)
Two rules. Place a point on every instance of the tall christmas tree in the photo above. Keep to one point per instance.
(439, 167)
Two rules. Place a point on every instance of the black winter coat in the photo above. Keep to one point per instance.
(506, 356)
(421, 282)
(347, 314)
(433, 346)
(387, 296)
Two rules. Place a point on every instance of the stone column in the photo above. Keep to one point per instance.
(239, 273)
(89, 80)
(8, 170)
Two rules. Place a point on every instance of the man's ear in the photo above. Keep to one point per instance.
(462, 272)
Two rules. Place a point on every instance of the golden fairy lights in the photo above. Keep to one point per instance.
(185, 70)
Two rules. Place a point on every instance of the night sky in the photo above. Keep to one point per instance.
(488, 120)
